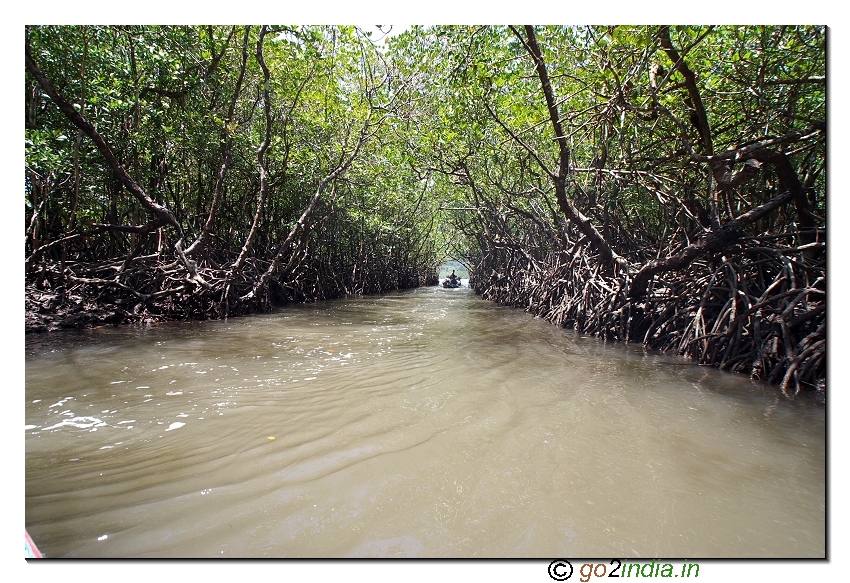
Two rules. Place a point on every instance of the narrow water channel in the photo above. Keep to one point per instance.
(426, 423)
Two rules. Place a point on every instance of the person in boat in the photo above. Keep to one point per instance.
(453, 277)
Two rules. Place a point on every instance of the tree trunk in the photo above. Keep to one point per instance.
(583, 223)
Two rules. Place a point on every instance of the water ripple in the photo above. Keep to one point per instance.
(421, 423)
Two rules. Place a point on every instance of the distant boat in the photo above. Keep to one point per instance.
(449, 283)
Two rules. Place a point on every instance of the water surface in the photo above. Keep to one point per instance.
(426, 423)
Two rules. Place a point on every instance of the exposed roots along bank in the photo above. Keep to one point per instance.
(757, 309)
(149, 288)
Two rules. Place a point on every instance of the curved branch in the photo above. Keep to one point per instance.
(691, 84)
(710, 243)
(344, 164)
(158, 210)
(583, 223)
(226, 151)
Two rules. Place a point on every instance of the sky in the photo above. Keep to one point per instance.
(384, 32)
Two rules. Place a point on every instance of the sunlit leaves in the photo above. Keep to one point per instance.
(476, 90)
(456, 119)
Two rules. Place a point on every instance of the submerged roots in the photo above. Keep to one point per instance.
(758, 309)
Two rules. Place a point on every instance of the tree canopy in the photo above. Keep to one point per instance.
(656, 183)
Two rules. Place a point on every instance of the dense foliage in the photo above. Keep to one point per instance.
(656, 184)
(645, 183)
(274, 149)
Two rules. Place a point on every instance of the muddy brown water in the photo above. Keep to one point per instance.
(426, 423)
